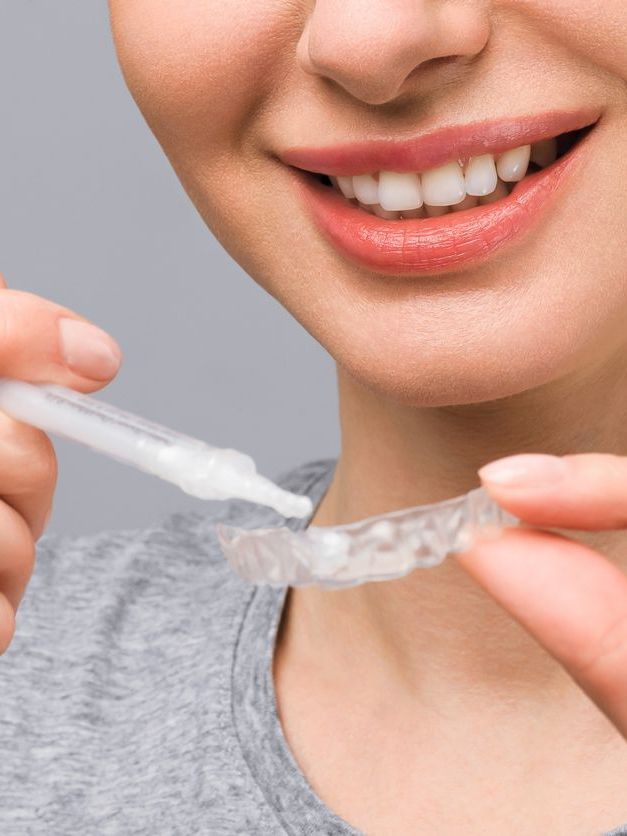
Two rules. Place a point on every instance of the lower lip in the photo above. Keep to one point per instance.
(443, 244)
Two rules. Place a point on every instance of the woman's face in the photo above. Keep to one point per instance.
(431, 310)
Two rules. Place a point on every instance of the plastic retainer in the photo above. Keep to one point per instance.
(374, 549)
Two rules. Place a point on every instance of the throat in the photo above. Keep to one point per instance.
(358, 724)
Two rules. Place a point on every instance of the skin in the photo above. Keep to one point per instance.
(35, 348)
(479, 681)
(525, 354)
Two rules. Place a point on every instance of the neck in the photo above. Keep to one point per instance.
(435, 624)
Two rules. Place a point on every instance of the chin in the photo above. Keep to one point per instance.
(447, 373)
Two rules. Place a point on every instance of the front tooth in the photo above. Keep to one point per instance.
(399, 192)
(544, 153)
(444, 185)
(498, 194)
(366, 189)
(380, 212)
(512, 165)
(480, 175)
(346, 187)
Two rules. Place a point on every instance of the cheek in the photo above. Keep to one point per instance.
(594, 30)
(197, 68)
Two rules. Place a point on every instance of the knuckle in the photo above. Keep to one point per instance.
(29, 455)
(12, 318)
(25, 319)
(46, 467)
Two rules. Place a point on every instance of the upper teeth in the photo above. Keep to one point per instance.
(398, 192)
(445, 185)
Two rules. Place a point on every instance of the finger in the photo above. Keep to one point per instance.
(7, 623)
(41, 341)
(587, 491)
(28, 472)
(17, 554)
(571, 598)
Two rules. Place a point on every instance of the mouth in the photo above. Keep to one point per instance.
(444, 201)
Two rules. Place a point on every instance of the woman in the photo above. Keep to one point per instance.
(475, 312)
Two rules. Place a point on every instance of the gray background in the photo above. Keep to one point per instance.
(92, 217)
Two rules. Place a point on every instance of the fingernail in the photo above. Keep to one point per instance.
(527, 471)
(88, 350)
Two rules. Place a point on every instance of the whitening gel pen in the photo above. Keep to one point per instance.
(197, 468)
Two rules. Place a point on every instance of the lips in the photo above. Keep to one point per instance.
(440, 244)
(442, 146)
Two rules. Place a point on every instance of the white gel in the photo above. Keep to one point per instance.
(197, 468)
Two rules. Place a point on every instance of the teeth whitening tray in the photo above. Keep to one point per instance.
(377, 548)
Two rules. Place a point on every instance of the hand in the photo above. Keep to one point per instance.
(568, 596)
(40, 342)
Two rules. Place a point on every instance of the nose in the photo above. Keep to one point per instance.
(371, 47)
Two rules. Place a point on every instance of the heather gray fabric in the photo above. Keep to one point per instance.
(137, 695)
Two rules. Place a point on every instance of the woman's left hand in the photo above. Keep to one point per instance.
(570, 597)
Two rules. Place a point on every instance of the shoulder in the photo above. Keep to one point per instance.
(124, 651)
(154, 577)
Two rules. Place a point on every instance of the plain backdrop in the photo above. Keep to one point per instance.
(92, 217)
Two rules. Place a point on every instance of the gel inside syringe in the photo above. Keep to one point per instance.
(197, 468)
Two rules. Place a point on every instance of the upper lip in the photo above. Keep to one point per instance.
(441, 146)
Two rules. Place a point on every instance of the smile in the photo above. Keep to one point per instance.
(443, 201)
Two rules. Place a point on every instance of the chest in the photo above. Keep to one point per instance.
(388, 776)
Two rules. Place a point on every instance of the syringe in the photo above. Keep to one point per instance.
(197, 468)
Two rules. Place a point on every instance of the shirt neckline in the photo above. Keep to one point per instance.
(299, 810)
(254, 708)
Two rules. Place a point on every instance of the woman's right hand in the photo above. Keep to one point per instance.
(40, 342)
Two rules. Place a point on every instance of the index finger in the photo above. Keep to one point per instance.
(43, 342)
(584, 491)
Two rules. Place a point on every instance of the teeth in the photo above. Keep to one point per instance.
(512, 165)
(399, 192)
(380, 212)
(346, 187)
(444, 185)
(500, 192)
(544, 153)
(458, 185)
(480, 175)
(366, 189)
(469, 202)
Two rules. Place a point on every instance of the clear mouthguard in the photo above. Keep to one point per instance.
(375, 549)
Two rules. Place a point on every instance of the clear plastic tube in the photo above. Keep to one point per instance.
(378, 548)
(197, 468)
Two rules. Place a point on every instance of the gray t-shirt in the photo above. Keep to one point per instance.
(137, 695)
